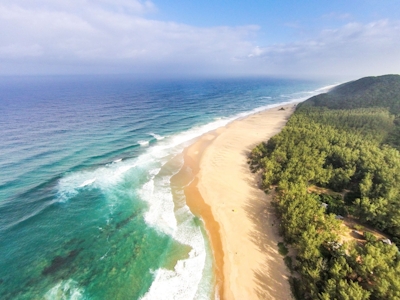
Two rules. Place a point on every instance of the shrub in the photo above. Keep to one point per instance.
(282, 249)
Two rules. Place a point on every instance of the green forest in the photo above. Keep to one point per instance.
(344, 142)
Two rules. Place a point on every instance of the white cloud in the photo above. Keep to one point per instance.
(121, 37)
(88, 36)
(354, 49)
(80, 6)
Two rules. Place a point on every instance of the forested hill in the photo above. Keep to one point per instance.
(335, 159)
(381, 91)
(369, 106)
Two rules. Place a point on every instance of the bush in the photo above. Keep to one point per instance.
(289, 263)
(282, 249)
(369, 236)
(358, 227)
(295, 286)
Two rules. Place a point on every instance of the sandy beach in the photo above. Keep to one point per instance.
(238, 215)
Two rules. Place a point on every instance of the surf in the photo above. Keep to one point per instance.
(106, 197)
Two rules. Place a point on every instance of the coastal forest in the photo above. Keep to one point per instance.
(335, 163)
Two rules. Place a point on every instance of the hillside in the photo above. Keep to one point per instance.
(381, 91)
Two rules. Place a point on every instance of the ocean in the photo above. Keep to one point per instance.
(86, 204)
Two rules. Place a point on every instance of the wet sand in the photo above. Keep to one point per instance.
(237, 214)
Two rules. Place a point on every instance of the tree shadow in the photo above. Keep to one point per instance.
(272, 276)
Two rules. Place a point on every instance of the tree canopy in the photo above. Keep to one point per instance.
(345, 142)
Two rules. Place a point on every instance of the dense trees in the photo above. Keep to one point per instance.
(368, 92)
(345, 152)
(382, 91)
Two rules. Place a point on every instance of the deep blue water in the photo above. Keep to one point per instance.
(86, 210)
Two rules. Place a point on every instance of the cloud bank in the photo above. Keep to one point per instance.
(354, 49)
(123, 36)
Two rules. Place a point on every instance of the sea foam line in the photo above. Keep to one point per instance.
(157, 136)
(143, 143)
(164, 149)
(182, 282)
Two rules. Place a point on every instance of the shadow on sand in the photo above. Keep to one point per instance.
(272, 276)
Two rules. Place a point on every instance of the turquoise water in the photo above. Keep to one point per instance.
(86, 209)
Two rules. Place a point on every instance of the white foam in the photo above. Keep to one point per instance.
(105, 255)
(174, 144)
(182, 138)
(183, 281)
(157, 136)
(117, 160)
(143, 143)
(161, 206)
(67, 289)
(294, 97)
(102, 178)
(88, 182)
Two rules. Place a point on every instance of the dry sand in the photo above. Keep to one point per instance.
(237, 214)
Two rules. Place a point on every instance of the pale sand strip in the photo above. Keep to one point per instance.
(224, 189)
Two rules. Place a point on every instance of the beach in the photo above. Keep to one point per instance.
(238, 215)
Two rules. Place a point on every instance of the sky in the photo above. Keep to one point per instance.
(219, 38)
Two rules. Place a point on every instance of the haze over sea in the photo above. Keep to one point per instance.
(86, 205)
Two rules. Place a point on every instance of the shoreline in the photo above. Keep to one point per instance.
(236, 213)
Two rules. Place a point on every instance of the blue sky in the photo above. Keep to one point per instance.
(159, 38)
(280, 20)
